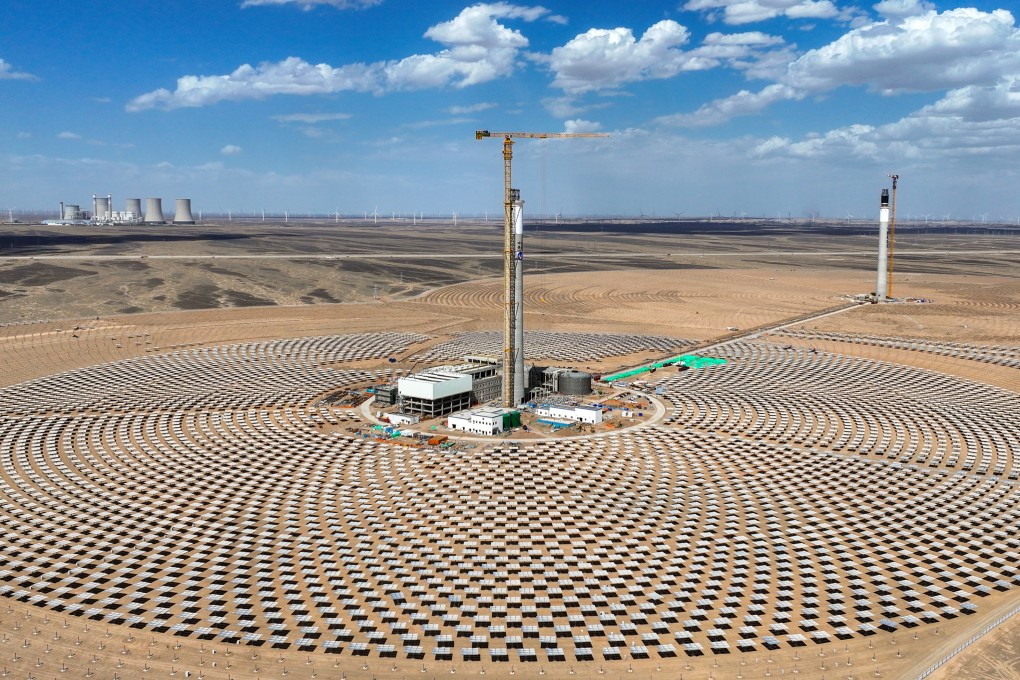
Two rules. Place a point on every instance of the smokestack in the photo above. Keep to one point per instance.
(182, 213)
(154, 211)
(882, 284)
(519, 374)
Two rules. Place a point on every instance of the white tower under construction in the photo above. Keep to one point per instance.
(882, 284)
(518, 348)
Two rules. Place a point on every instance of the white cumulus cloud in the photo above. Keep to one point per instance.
(231, 150)
(740, 104)
(66, 134)
(1000, 101)
(917, 137)
(7, 72)
(925, 52)
(753, 38)
(606, 58)
(974, 53)
(477, 49)
(903, 8)
(743, 51)
(579, 125)
(749, 11)
(309, 4)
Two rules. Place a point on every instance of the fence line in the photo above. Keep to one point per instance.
(969, 642)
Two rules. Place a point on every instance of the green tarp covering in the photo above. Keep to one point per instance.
(511, 419)
(689, 360)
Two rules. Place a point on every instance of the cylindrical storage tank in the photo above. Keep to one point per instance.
(182, 213)
(154, 211)
(133, 206)
(71, 212)
(573, 382)
(102, 208)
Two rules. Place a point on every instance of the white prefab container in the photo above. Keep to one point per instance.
(582, 414)
(403, 418)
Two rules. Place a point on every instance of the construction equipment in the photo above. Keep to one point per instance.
(510, 252)
(892, 231)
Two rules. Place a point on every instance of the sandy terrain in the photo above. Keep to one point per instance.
(149, 307)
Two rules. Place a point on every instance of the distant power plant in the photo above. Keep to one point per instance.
(104, 214)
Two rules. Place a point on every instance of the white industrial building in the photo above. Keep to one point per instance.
(442, 390)
(435, 393)
(480, 421)
(581, 414)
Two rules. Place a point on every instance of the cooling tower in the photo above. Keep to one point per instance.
(182, 213)
(103, 208)
(154, 211)
(71, 212)
(133, 207)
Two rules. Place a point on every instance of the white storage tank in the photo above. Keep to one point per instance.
(574, 383)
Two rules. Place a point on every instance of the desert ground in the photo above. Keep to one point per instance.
(78, 305)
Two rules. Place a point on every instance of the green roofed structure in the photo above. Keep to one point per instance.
(688, 360)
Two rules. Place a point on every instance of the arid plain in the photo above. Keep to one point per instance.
(72, 299)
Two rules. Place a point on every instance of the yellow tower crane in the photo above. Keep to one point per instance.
(509, 250)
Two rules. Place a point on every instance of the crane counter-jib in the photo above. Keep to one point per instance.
(482, 134)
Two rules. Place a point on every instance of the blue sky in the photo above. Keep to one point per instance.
(761, 107)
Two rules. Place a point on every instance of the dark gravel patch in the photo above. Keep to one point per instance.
(41, 274)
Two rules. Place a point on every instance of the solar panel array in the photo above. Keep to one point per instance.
(778, 505)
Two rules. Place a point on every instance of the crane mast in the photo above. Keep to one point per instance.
(892, 232)
(510, 252)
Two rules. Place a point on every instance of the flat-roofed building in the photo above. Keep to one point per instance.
(435, 394)
(480, 421)
(581, 413)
